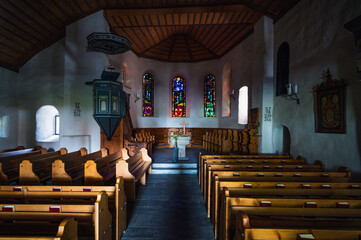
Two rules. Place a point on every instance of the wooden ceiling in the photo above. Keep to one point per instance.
(167, 30)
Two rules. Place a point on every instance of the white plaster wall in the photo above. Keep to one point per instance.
(262, 90)
(56, 76)
(41, 82)
(241, 61)
(8, 107)
(81, 66)
(318, 40)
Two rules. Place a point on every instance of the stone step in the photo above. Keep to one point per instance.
(174, 165)
(174, 171)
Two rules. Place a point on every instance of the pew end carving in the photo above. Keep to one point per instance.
(58, 174)
(91, 175)
(129, 180)
(3, 177)
(26, 174)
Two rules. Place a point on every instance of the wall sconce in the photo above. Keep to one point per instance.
(292, 93)
(231, 94)
(136, 97)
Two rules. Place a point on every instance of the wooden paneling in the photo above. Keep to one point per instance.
(167, 30)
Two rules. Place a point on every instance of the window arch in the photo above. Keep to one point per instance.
(210, 96)
(179, 103)
(148, 95)
(283, 68)
(243, 105)
(47, 124)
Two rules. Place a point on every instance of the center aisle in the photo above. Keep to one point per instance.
(170, 206)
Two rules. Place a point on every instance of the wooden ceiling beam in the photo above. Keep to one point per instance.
(258, 8)
(181, 10)
(188, 48)
(150, 25)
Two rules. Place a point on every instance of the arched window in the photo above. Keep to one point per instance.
(243, 105)
(148, 95)
(47, 124)
(179, 104)
(283, 68)
(210, 96)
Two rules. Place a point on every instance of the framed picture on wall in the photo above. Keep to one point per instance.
(330, 112)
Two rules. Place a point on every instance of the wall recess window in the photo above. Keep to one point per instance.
(57, 125)
(47, 124)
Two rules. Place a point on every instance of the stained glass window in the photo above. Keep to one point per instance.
(148, 95)
(210, 96)
(178, 97)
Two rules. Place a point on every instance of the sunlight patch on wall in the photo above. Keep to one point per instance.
(226, 99)
(243, 105)
(4, 126)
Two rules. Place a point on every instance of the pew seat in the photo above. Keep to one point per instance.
(94, 215)
(253, 227)
(66, 230)
(73, 195)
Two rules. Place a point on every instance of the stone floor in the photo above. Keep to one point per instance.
(170, 206)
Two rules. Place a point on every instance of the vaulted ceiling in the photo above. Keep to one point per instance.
(167, 30)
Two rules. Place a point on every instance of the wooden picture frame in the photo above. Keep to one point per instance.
(330, 106)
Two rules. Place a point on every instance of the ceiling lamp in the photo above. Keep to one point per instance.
(108, 43)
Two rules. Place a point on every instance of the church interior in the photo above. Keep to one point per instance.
(180, 119)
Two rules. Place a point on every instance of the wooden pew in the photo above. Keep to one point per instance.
(41, 170)
(67, 230)
(287, 224)
(100, 171)
(202, 157)
(72, 194)
(11, 167)
(133, 170)
(218, 176)
(228, 193)
(69, 170)
(256, 167)
(213, 207)
(32, 173)
(11, 150)
(301, 234)
(228, 161)
(22, 153)
(95, 215)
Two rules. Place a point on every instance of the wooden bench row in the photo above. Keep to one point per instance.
(244, 159)
(236, 199)
(93, 215)
(6, 156)
(11, 149)
(66, 230)
(10, 195)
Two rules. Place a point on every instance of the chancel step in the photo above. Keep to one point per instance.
(174, 165)
(174, 168)
(174, 171)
